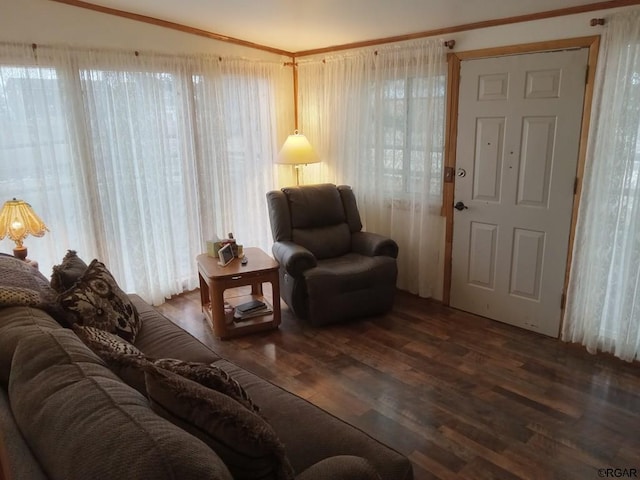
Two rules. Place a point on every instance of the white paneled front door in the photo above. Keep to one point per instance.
(517, 151)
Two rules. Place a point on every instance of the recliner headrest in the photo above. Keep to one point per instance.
(314, 206)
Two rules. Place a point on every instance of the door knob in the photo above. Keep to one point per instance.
(460, 206)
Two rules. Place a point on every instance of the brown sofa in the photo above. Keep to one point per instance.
(65, 415)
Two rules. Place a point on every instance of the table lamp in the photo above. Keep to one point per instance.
(17, 220)
(297, 151)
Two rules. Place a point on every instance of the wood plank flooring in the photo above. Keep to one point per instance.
(462, 396)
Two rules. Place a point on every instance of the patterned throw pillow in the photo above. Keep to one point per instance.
(123, 358)
(19, 296)
(244, 441)
(65, 275)
(21, 284)
(97, 301)
(101, 340)
(211, 377)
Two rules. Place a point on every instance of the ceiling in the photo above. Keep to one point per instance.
(300, 25)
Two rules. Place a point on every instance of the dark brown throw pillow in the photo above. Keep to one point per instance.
(209, 376)
(97, 301)
(244, 441)
(65, 275)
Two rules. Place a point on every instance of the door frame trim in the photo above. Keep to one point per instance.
(453, 92)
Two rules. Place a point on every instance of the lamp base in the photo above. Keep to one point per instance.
(297, 169)
(20, 252)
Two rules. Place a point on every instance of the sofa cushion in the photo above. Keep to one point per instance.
(96, 300)
(246, 443)
(65, 275)
(358, 285)
(324, 242)
(82, 422)
(16, 459)
(17, 323)
(159, 337)
(316, 434)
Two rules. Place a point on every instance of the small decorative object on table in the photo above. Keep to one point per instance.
(225, 254)
(215, 244)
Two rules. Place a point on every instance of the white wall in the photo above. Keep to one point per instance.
(48, 22)
(570, 26)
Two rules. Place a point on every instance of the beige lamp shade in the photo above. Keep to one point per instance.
(17, 220)
(297, 150)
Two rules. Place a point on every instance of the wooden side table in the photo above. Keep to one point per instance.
(215, 279)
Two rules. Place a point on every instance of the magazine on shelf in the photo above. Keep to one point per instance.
(255, 308)
(250, 306)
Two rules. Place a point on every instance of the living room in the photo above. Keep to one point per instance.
(233, 193)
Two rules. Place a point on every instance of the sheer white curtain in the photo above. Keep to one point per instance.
(138, 158)
(603, 304)
(42, 149)
(376, 116)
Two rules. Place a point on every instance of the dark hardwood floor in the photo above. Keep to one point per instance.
(461, 396)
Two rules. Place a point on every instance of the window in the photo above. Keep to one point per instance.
(406, 133)
(38, 151)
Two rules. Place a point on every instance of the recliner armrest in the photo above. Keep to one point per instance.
(295, 258)
(372, 244)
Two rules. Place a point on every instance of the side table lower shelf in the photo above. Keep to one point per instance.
(215, 279)
(235, 327)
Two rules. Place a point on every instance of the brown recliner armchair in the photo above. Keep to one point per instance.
(330, 270)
